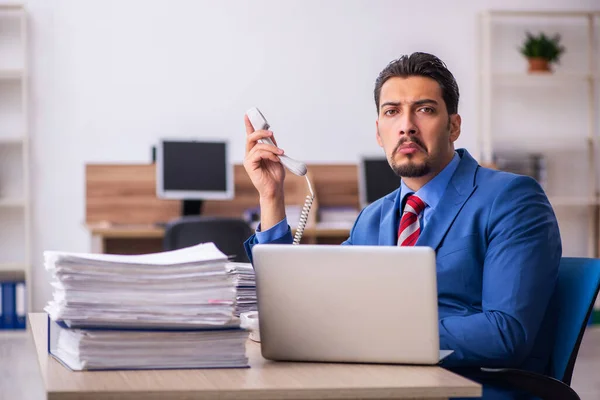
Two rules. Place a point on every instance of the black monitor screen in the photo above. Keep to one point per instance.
(195, 166)
(379, 179)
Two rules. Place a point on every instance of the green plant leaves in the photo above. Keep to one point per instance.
(542, 46)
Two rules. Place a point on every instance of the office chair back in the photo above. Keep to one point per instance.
(577, 287)
(228, 234)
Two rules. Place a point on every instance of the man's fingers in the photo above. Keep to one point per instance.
(252, 135)
(266, 147)
(253, 138)
(249, 127)
(256, 156)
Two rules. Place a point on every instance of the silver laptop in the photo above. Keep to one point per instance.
(367, 304)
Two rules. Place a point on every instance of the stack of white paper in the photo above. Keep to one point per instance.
(245, 282)
(85, 349)
(165, 310)
(187, 287)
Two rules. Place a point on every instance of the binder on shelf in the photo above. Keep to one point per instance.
(21, 304)
(12, 300)
(8, 305)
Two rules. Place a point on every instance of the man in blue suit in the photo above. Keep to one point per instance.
(495, 234)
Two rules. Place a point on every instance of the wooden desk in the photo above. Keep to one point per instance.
(126, 239)
(264, 380)
(145, 238)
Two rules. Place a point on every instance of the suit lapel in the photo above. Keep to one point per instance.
(459, 189)
(388, 226)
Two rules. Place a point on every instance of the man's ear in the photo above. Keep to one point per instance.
(455, 122)
(377, 135)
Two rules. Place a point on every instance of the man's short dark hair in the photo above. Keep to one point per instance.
(421, 64)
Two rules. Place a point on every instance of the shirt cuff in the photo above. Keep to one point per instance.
(275, 232)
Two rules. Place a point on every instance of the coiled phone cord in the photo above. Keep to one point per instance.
(304, 214)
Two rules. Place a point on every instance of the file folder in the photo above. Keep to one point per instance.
(12, 305)
(12, 300)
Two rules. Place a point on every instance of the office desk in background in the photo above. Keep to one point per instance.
(122, 210)
(146, 238)
(264, 380)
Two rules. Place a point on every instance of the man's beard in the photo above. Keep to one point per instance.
(410, 169)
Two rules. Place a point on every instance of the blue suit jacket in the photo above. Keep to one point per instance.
(498, 249)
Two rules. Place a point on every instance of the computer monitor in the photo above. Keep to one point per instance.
(193, 170)
(376, 179)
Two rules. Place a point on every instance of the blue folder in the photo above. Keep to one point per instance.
(12, 304)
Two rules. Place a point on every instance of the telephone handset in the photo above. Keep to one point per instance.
(259, 122)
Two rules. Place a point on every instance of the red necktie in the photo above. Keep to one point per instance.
(409, 229)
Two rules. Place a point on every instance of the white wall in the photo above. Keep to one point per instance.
(111, 77)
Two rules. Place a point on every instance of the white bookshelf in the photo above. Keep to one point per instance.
(11, 74)
(537, 78)
(6, 140)
(12, 203)
(555, 114)
(15, 197)
(12, 267)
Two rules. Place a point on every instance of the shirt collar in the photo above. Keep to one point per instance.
(432, 191)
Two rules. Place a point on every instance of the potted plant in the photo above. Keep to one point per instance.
(541, 51)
